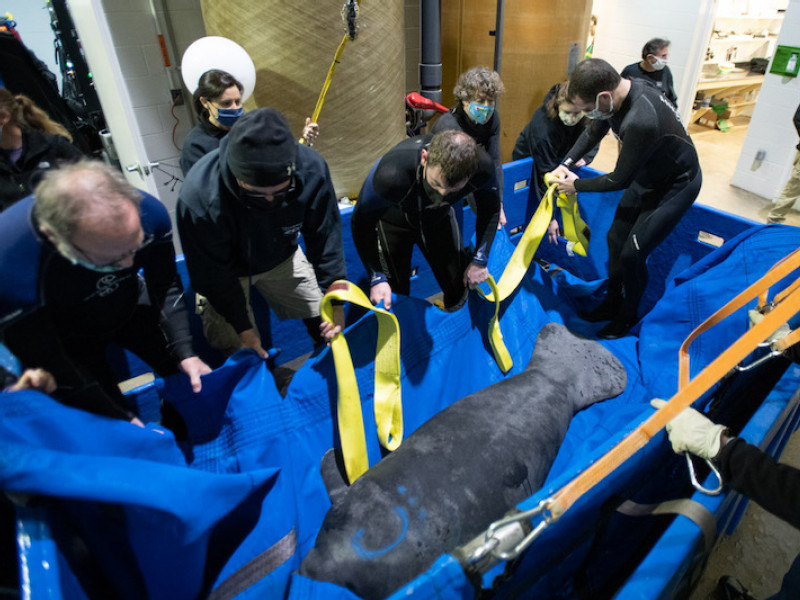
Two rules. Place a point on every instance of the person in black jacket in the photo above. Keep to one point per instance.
(653, 68)
(476, 93)
(657, 167)
(408, 199)
(88, 262)
(240, 214)
(746, 469)
(550, 134)
(218, 103)
(30, 144)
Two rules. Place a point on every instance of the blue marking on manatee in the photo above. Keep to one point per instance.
(401, 489)
(373, 554)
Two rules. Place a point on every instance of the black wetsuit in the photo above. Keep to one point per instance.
(659, 171)
(394, 212)
(547, 141)
(487, 136)
(775, 487)
(661, 79)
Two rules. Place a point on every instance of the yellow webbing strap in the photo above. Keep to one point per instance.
(387, 400)
(521, 259)
(499, 349)
(783, 309)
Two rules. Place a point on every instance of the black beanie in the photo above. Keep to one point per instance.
(261, 148)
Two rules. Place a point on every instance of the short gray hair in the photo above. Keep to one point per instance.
(85, 190)
(478, 82)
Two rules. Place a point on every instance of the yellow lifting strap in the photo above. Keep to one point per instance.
(387, 400)
(349, 16)
(783, 307)
(522, 256)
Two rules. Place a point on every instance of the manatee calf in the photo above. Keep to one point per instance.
(463, 469)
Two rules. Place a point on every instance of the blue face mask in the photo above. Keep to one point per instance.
(228, 116)
(480, 113)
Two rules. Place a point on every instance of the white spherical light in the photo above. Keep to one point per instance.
(214, 52)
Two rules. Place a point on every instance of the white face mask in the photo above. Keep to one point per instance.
(659, 64)
(596, 113)
(569, 119)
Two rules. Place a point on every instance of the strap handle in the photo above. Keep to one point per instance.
(387, 398)
(692, 390)
(521, 259)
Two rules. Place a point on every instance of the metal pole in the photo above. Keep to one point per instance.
(498, 35)
(430, 66)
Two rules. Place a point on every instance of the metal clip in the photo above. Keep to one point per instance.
(755, 363)
(696, 484)
(543, 510)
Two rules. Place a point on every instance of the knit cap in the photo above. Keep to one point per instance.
(261, 148)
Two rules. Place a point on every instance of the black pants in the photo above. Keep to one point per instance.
(439, 239)
(644, 218)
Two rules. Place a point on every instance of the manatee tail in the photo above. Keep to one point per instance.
(586, 366)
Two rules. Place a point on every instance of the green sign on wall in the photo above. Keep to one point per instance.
(786, 61)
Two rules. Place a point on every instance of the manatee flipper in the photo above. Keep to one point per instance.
(333, 473)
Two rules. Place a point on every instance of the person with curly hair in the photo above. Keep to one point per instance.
(476, 93)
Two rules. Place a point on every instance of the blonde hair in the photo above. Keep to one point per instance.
(26, 115)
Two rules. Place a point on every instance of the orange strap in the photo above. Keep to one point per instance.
(784, 309)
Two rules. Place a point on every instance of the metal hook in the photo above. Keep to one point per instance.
(696, 484)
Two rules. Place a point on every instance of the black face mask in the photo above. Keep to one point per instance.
(435, 197)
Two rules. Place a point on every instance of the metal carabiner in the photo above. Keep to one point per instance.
(696, 484)
(543, 510)
(761, 360)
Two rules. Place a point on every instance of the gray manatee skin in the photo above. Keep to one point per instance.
(463, 469)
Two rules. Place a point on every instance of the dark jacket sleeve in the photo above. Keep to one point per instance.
(66, 151)
(208, 250)
(487, 201)
(369, 209)
(797, 123)
(163, 282)
(639, 136)
(775, 487)
(322, 233)
(589, 139)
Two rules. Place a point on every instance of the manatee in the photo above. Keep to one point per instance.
(464, 468)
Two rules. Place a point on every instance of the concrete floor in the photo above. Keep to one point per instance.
(761, 549)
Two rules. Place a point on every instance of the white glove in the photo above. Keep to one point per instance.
(690, 431)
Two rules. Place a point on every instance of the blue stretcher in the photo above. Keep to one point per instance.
(108, 510)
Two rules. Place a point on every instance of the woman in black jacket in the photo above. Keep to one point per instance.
(30, 144)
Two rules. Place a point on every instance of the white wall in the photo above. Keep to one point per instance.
(623, 27)
(33, 26)
(148, 81)
(771, 126)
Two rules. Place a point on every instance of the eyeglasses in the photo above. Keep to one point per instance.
(280, 195)
(110, 267)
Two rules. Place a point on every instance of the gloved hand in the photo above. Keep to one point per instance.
(691, 431)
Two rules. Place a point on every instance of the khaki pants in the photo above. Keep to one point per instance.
(290, 289)
(790, 194)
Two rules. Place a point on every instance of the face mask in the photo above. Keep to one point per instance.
(480, 113)
(659, 64)
(435, 197)
(596, 113)
(569, 119)
(228, 116)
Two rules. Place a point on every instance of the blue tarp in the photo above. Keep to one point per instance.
(163, 518)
